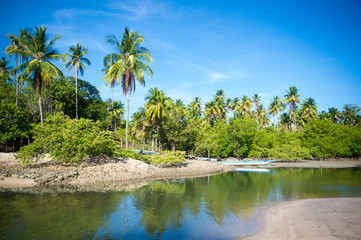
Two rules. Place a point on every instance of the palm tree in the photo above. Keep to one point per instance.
(323, 115)
(286, 121)
(274, 108)
(334, 114)
(349, 114)
(256, 99)
(128, 64)
(157, 104)
(220, 102)
(4, 69)
(309, 108)
(211, 112)
(262, 119)
(291, 98)
(245, 106)
(76, 62)
(39, 53)
(140, 122)
(236, 104)
(196, 107)
(17, 42)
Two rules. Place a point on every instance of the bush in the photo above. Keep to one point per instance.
(124, 153)
(167, 158)
(68, 140)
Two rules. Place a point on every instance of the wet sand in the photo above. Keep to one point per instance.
(329, 218)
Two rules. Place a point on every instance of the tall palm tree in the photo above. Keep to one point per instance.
(309, 108)
(256, 99)
(77, 61)
(275, 107)
(323, 115)
(236, 104)
(129, 64)
(39, 53)
(262, 119)
(291, 98)
(196, 107)
(286, 121)
(349, 114)
(220, 101)
(17, 42)
(245, 106)
(212, 112)
(157, 104)
(334, 114)
(139, 122)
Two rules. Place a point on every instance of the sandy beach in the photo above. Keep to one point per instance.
(330, 218)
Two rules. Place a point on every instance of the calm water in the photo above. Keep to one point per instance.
(224, 206)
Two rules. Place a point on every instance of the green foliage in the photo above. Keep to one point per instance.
(326, 139)
(15, 122)
(69, 140)
(124, 153)
(167, 158)
(269, 143)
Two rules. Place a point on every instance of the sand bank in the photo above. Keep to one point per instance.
(14, 175)
(330, 218)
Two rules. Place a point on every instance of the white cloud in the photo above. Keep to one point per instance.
(70, 13)
(141, 9)
(216, 77)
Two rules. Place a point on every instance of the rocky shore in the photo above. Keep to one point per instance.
(98, 172)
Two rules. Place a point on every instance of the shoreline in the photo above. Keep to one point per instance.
(320, 218)
(113, 171)
(108, 172)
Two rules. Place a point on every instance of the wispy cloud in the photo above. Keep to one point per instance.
(142, 9)
(216, 77)
(70, 13)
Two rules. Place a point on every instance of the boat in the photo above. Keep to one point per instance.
(209, 159)
(263, 170)
(144, 152)
(249, 162)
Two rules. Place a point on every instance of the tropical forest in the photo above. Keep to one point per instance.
(48, 107)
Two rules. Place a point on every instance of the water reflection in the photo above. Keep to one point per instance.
(224, 206)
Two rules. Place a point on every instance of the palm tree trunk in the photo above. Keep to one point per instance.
(76, 94)
(17, 87)
(112, 112)
(41, 110)
(274, 121)
(127, 122)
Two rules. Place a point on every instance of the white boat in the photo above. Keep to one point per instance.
(249, 162)
(263, 170)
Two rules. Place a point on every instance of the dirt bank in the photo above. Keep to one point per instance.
(14, 175)
(331, 218)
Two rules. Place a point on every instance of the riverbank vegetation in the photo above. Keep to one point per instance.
(43, 111)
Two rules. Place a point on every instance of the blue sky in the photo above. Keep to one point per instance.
(243, 47)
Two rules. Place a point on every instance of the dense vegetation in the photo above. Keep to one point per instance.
(79, 124)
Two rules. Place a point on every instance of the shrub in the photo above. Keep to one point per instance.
(167, 158)
(124, 153)
(68, 140)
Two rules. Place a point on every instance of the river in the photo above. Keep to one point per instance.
(224, 206)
